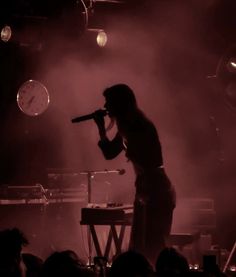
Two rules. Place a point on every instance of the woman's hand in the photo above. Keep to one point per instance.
(99, 120)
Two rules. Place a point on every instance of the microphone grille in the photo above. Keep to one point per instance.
(121, 171)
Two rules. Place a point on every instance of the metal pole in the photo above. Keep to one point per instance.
(229, 258)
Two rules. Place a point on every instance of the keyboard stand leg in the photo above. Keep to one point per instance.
(95, 240)
(113, 234)
(118, 239)
(89, 246)
(122, 233)
(108, 245)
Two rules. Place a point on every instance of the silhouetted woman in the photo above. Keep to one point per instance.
(155, 196)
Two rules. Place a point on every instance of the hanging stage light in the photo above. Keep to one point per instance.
(226, 74)
(101, 38)
(231, 65)
(6, 33)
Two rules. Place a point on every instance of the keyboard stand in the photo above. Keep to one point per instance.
(113, 234)
(122, 216)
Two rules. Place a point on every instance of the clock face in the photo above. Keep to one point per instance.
(32, 98)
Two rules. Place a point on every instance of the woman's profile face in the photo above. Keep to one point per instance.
(119, 101)
(110, 107)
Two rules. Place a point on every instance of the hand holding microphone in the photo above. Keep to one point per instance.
(99, 114)
(98, 117)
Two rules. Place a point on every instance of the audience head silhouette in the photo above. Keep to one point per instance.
(33, 264)
(63, 264)
(11, 243)
(171, 263)
(130, 264)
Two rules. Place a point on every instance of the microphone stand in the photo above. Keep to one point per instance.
(90, 175)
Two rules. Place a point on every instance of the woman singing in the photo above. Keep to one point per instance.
(155, 195)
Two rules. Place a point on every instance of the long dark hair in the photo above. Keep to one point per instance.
(123, 102)
(121, 97)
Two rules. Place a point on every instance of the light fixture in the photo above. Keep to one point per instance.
(194, 267)
(232, 268)
(6, 33)
(101, 36)
(231, 65)
(226, 74)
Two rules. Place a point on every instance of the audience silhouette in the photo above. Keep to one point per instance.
(171, 263)
(65, 264)
(33, 264)
(11, 244)
(131, 264)
(15, 263)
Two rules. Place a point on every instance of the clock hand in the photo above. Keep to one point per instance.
(31, 100)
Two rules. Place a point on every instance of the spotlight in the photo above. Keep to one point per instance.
(232, 268)
(194, 267)
(6, 33)
(101, 36)
(231, 65)
(226, 74)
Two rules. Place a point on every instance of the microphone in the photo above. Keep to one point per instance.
(88, 116)
(121, 171)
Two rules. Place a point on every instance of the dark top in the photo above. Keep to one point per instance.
(140, 141)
